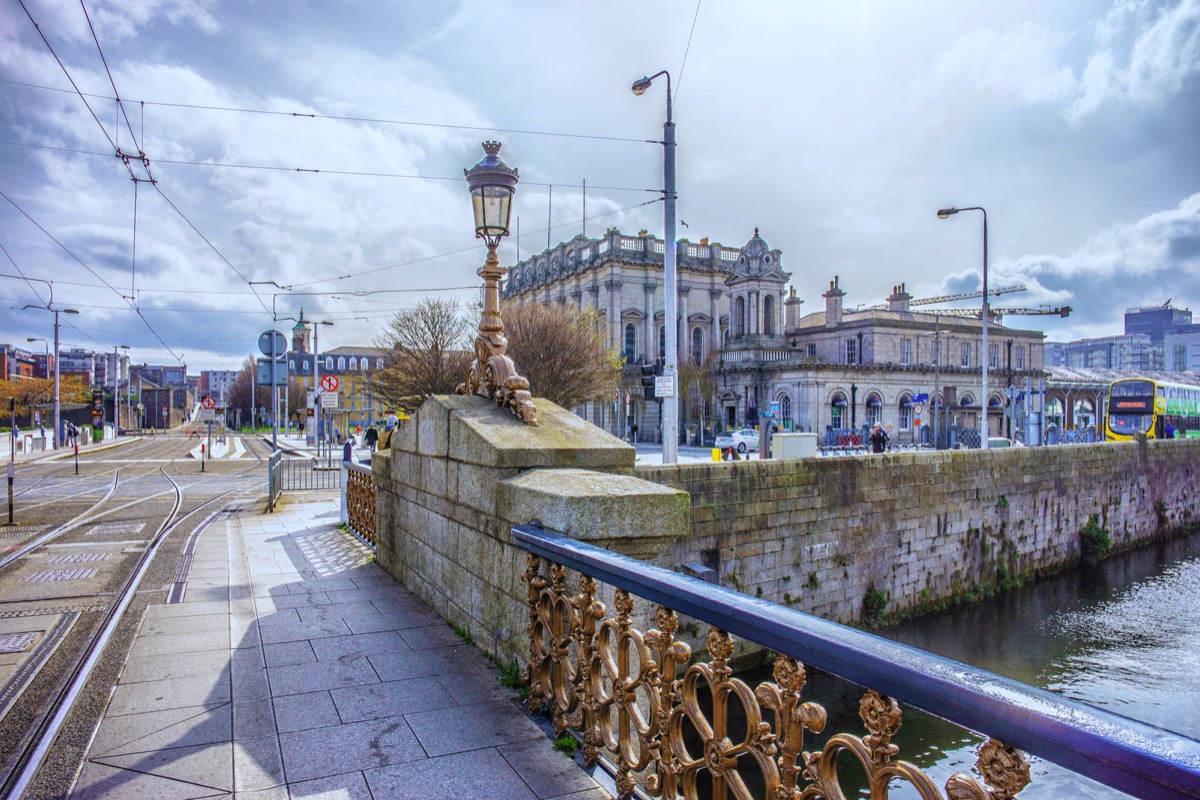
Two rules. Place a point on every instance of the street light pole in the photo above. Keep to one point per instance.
(56, 311)
(670, 416)
(984, 355)
(117, 383)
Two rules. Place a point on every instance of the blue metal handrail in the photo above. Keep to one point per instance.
(1142, 760)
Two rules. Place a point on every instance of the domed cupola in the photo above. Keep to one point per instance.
(756, 257)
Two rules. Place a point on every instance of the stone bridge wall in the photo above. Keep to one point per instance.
(923, 528)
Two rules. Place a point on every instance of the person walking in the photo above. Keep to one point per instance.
(879, 439)
(371, 437)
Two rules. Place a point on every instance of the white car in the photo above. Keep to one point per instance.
(741, 440)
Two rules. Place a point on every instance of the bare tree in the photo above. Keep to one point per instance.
(561, 351)
(698, 387)
(245, 393)
(427, 352)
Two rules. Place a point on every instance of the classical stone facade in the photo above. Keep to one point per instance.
(745, 349)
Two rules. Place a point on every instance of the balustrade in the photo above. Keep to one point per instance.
(360, 502)
(637, 699)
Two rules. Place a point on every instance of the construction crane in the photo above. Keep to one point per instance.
(997, 314)
(949, 298)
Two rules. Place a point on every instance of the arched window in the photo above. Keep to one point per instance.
(768, 326)
(353, 363)
(362, 365)
(837, 410)
(305, 364)
(292, 364)
(379, 363)
(662, 342)
(874, 409)
(341, 363)
(698, 345)
(329, 363)
(906, 412)
(1054, 412)
(966, 399)
(1084, 414)
(630, 342)
(739, 316)
(785, 412)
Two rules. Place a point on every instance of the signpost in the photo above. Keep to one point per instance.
(273, 344)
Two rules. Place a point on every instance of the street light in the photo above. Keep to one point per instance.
(670, 420)
(493, 374)
(56, 311)
(116, 384)
(984, 355)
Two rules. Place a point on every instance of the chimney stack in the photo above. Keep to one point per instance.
(791, 311)
(899, 299)
(833, 304)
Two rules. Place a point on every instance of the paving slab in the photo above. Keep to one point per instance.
(296, 669)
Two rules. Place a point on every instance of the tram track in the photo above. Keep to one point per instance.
(88, 622)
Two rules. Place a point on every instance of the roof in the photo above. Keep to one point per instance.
(883, 316)
(1088, 376)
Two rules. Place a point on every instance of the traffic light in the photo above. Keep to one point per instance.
(648, 381)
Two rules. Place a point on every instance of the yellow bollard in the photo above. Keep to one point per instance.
(716, 454)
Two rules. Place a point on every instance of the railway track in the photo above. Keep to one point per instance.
(80, 582)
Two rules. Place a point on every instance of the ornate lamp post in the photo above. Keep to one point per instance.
(944, 213)
(493, 374)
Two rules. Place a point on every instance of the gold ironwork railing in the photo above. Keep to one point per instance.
(679, 729)
(360, 502)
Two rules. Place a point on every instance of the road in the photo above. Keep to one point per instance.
(68, 602)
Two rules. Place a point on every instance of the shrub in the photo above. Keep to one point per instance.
(1094, 542)
(874, 603)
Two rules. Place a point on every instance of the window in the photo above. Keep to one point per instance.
(851, 351)
(785, 412)
(993, 356)
(768, 326)
(362, 365)
(811, 350)
(305, 365)
(837, 410)
(966, 399)
(905, 352)
(739, 316)
(1020, 356)
(329, 363)
(353, 363)
(698, 345)
(292, 364)
(874, 409)
(662, 343)
(630, 342)
(1179, 357)
(341, 362)
(1054, 412)
(906, 413)
(379, 363)
(965, 354)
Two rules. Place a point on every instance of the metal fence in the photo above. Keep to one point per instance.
(633, 697)
(309, 474)
(1081, 436)
(360, 502)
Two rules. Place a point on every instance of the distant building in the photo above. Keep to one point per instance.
(1182, 349)
(16, 363)
(1156, 321)
(166, 376)
(215, 383)
(77, 361)
(43, 365)
(351, 365)
(1135, 352)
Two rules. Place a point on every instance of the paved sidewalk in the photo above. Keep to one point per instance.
(297, 668)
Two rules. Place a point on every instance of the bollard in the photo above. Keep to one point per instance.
(202, 457)
(716, 454)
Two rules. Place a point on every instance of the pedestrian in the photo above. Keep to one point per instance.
(633, 431)
(371, 437)
(389, 428)
(879, 439)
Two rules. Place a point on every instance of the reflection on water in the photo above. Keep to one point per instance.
(1124, 637)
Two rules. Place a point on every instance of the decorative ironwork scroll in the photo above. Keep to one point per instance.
(705, 732)
(360, 502)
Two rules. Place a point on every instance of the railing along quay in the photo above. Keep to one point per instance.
(627, 693)
(360, 502)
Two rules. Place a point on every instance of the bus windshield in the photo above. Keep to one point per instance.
(1129, 424)
(1133, 389)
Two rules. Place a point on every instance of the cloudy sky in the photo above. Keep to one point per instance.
(321, 145)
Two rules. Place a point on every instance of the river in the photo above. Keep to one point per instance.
(1124, 637)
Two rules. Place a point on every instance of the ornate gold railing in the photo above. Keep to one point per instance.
(678, 729)
(360, 502)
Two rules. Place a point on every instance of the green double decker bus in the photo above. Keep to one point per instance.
(1156, 409)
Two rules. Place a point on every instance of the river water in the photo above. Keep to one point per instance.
(1124, 637)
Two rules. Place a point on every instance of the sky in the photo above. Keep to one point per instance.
(321, 145)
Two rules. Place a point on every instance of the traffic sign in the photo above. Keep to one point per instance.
(209, 402)
(268, 338)
(664, 386)
(329, 399)
(329, 383)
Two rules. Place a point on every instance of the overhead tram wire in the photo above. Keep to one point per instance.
(686, 50)
(568, 224)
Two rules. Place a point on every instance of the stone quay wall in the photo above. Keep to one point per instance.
(462, 472)
(919, 529)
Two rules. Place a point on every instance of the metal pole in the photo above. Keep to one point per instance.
(274, 394)
(937, 364)
(671, 287)
(983, 402)
(57, 409)
(12, 458)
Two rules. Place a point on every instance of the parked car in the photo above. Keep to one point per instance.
(741, 440)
